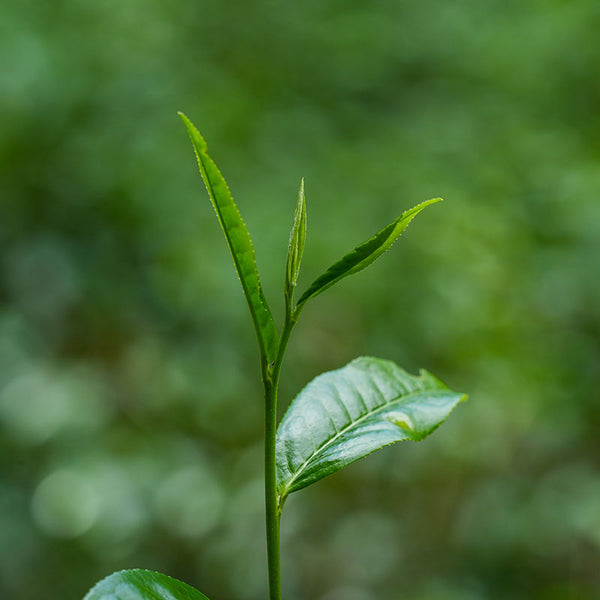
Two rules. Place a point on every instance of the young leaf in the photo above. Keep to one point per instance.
(364, 254)
(346, 414)
(138, 584)
(239, 242)
(296, 245)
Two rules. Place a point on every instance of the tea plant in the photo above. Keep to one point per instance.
(339, 417)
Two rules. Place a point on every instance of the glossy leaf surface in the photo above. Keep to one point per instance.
(364, 254)
(346, 414)
(239, 242)
(137, 584)
(296, 244)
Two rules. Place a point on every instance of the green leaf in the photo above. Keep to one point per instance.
(296, 245)
(346, 414)
(138, 584)
(239, 242)
(364, 254)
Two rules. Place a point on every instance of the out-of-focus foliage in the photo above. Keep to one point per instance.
(130, 411)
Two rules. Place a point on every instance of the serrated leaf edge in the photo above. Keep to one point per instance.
(268, 346)
(314, 289)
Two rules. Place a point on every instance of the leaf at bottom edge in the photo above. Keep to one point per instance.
(139, 584)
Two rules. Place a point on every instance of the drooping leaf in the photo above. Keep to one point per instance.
(364, 254)
(138, 584)
(239, 242)
(296, 245)
(346, 414)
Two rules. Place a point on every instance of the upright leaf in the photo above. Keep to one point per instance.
(364, 254)
(138, 584)
(346, 414)
(239, 242)
(296, 245)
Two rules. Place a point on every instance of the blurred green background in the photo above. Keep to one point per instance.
(130, 408)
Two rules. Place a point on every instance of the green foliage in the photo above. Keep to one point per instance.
(348, 413)
(122, 337)
(364, 254)
(239, 242)
(138, 584)
(295, 247)
(340, 417)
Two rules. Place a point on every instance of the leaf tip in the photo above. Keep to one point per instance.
(195, 135)
(430, 202)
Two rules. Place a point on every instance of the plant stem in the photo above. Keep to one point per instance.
(272, 514)
(273, 511)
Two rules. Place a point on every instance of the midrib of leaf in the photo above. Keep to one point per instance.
(352, 424)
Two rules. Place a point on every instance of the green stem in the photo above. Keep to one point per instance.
(273, 510)
(272, 515)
